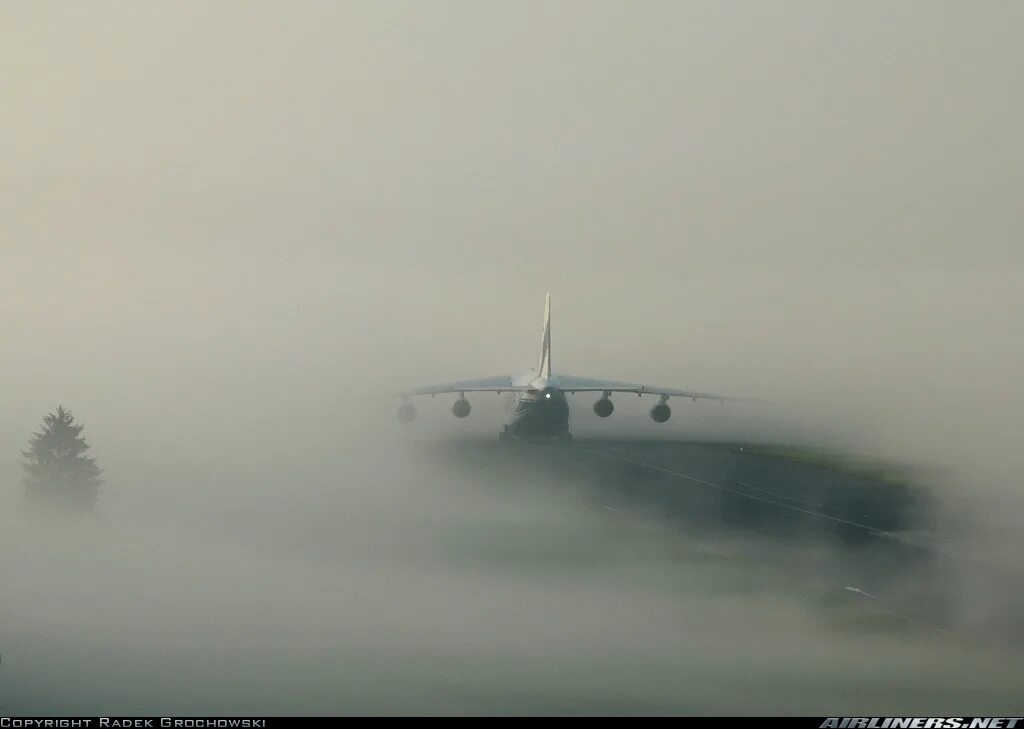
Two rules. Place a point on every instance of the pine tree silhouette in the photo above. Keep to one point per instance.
(58, 474)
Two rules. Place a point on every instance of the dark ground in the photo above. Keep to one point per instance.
(465, 577)
(876, 554)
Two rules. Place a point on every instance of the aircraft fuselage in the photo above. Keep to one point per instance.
(542, 411)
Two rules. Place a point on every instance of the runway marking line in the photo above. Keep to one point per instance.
(737, 492)
(809, 512)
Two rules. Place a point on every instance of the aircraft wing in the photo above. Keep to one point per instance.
(572, 383)
(500, 383)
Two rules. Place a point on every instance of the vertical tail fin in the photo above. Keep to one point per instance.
(545, 353)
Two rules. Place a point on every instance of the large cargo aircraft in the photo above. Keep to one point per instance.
(540, 409)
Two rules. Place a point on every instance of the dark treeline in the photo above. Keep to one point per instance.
(58, 473)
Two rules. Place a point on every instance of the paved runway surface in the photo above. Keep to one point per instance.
(874, 542)
(461, 576)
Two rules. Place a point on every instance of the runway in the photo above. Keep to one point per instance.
(461, 577)
(860, 545)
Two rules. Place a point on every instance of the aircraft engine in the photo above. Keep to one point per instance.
(461, 408)
(661, 412)
(604, 407)
(406, 412)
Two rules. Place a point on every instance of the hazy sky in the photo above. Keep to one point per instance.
(259, 206)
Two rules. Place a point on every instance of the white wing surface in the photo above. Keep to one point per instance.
(498, 383)
(572, 383)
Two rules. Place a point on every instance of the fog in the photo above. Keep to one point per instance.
(231, 234)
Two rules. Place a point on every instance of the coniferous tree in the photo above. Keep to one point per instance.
(57, 471)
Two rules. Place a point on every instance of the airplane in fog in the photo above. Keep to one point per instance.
(540, 410)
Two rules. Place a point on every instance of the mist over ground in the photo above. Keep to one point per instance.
(231, 235)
